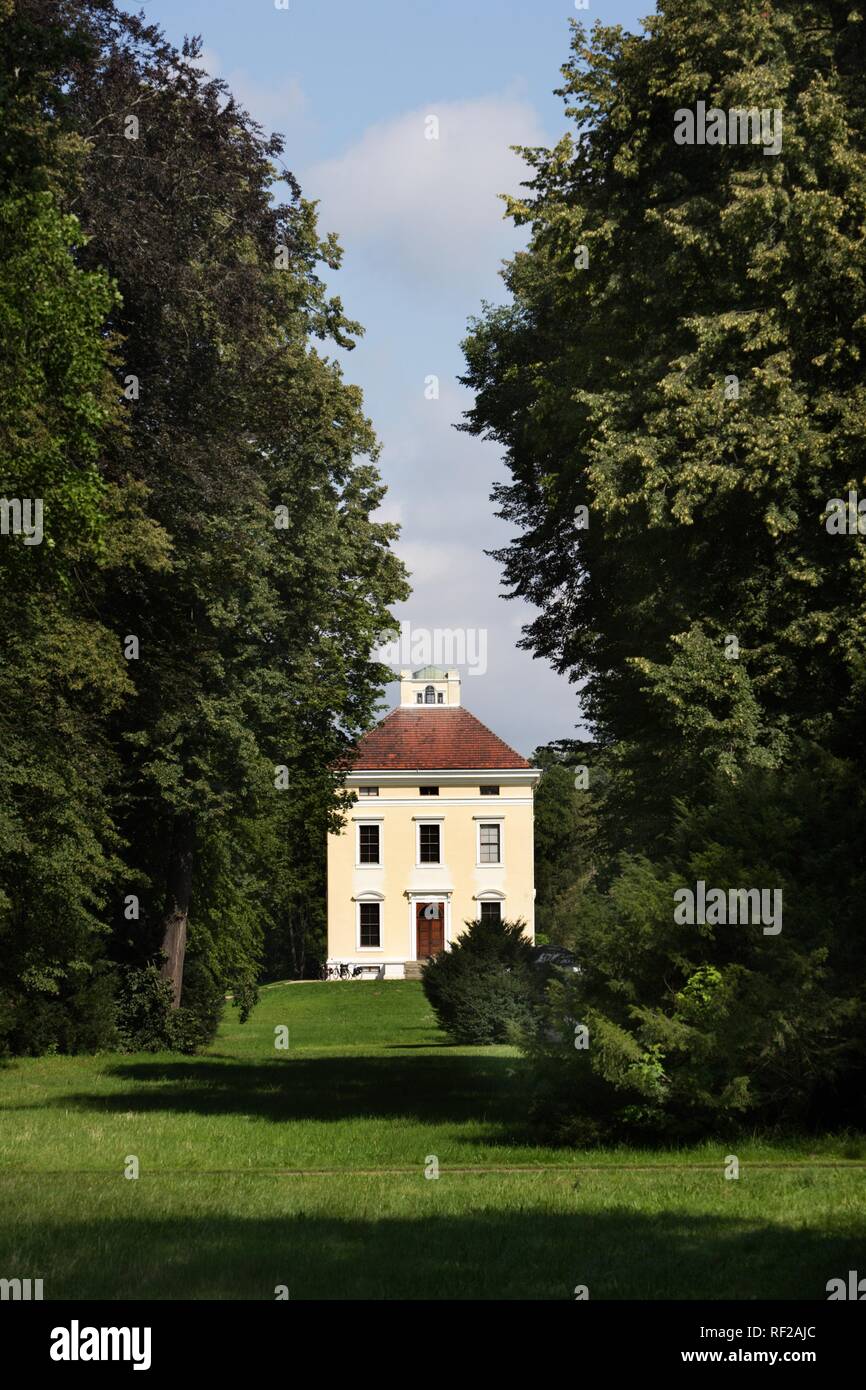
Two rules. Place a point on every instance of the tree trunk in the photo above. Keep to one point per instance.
(293, 962)
(177, 899)
(297, 934)
(302, 947)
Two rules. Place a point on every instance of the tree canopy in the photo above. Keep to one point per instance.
(212, 581)
(677, 384)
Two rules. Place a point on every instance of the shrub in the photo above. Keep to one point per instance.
(197, 1020)
(77, 1018)
(485, 989)
(148, 1023)
(710, 1029)
(144, 1010)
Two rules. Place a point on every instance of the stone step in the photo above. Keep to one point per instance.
(413, 969)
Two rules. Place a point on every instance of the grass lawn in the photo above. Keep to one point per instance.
(306, 1168)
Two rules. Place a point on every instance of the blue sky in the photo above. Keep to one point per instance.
(351, 86)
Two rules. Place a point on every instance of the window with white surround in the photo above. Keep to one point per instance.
(429, 842)
(369, 843)
(489, 791)
(490, 911)
(489, 843)
(428, 791)
(369, 926)
(368, 791)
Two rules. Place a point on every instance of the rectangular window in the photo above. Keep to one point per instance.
(371, 931)
(489, 844)
(429, 791)
(491, 912)
(368, 791)
(489, 791)
(368, 844)
(428, 844)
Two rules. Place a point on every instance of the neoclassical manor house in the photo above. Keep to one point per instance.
(441, 834)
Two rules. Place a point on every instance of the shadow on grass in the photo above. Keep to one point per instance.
(429, 1089)
(484, 1254)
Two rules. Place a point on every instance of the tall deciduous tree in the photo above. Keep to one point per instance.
(195, 632)
(678, 386)
(250, 653)
(67, 521)
(665, 507)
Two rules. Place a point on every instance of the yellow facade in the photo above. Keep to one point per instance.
(409, 890)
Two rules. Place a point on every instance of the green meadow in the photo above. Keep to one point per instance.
(307, 1168)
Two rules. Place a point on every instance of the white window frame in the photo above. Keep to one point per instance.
(380, 902)
(365, 793)
(429, 820)
(370, 820)
(490, 902)
(490, 895)
(487, 863)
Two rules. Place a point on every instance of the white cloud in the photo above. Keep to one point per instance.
(442, 476)
(438, 562)
(430, 207)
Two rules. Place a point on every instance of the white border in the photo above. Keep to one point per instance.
(449, 776)
(491, 898)
(489, 863)
(369, 820)
(435, 895)
(429, 863)
(369, 898)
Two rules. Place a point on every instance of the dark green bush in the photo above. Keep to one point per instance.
(714, 1029)
(197, 1020)
(144, 1009)
(148, 1023)
(80, 1018)
(485, 988)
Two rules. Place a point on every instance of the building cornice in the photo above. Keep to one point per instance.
(447, 777)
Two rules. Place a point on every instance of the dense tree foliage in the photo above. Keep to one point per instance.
(697, 1028)
(562, 836)
(678, 386)
(61, 670)
(211, 583)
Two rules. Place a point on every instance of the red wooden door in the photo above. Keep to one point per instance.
(429, 929)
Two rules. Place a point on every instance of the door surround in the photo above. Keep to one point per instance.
(429, 929)
(435, 895)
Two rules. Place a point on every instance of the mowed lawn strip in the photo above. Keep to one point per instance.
(368, 1092)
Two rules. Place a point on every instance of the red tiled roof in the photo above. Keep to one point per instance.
(449, 738)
